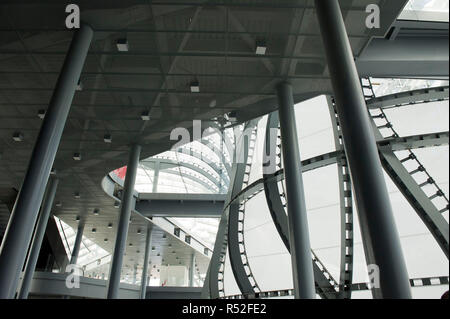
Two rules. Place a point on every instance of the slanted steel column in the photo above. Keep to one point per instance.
(148, 248)
(135, 273)
(23, 218)
(122, 229)
(38, 237)
(77, 244)
(379, 233)
(192, 271)
(302, 268)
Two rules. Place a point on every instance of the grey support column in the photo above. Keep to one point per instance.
(38, 237)
(135, 274)
(192, 271)
(380, 237)
(122, 229)
(77, 245)
(148, 249)
(302, 268)
(23, 218)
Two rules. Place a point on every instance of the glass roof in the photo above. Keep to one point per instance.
(204, 229)
(426, 10)
(199, 167)
(91, 255)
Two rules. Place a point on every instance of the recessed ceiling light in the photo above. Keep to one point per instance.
(145, 116)
(232, 117)
(122, 45)
(58, 204)
(116, 204)
(105, 240)
(195, 87)
(53, 171)
(79, 85)
(110, 225)
(41, 114)
(94, 230)
(261, 48)
(96, 211)
(107, 138)
(18, 137)
(139, 231)
(77, 195)
(77, 157)
(77, 218)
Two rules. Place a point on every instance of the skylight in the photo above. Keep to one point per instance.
(426, 10)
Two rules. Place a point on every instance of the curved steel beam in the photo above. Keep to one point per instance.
(211, 288)
(191, 177)
(195, 168)
(346, 208)
(409, 98)
(277, 210)
(413, 142)
(236, 245)
(199, 155)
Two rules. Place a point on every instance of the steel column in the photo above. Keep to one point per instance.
(77, 244)
(192, 271)
(122, 229)
(23, 218)
(380, 236)
(148, 248)
(38, 237)
(302, 268)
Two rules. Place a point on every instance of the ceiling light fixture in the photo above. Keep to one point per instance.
(18, 137)
(261, 48)
(195, 87)
(79, 85)
(145, 116)
(107, 138)
(41, 114)
(122, 45)
(77, 157)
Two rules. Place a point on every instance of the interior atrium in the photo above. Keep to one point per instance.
(245, 149)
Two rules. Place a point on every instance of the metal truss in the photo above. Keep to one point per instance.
(326, 286)
(416, 141)
(407, 98)
(236, 244)
(411, 183)
(276, 202)
(196, 168)
(346, 207)
(416, 282)
(214, 283)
